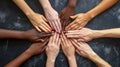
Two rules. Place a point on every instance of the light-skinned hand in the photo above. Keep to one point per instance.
(83, 34)
(53, 47)
(82, 48)
(53, 19)
(67, 47)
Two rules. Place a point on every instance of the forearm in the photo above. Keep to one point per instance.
(102, 6)
(19, 60)
(72, 62)
(98, 61)
(112, 33)
(44, 2)
(11, 34)
(24, 7)
(72, 3)
(50, 62)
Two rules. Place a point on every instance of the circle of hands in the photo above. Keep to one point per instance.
(68, 32)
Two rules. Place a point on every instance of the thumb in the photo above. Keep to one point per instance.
(73, 17)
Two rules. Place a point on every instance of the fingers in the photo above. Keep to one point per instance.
(59, 42)
(43, 34)
(45, 27)
(64, 39)
(38, 28)
(73, 17)
(75, 45)
(44, 19)
(50, 40)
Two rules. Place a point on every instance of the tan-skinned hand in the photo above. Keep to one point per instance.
(80, 20)
(40, 22)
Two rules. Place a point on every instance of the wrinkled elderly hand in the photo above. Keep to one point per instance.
(53, 19)
(84, 34)
(65, 16)
(82, 48)
(67, 46)
(37, 48)
(53, 47)
(80, 20)
(39, 22)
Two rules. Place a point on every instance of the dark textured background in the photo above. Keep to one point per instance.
(11, 17)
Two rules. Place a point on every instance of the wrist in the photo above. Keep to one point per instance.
(24, 34)
(92, 55)
(29, 14)
(51, 60)
(91, 15)
(98, 34)
(29, 52)
(72, 3)
(71, 58)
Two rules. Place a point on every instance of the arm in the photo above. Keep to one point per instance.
(34, 49)
(81, 19)
(11, 34)
(86, 34)
(83, 49)
(52, 50)
(102, 6)
(36, 19)
(67, 12)
(32, 35)
(68, 50)
(98, 60)
(51, 15)
(19, 60)
(112, 33)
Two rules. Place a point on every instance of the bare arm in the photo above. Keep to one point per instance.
(19, 60)
(81, 19)
(69, 51)
(112, 33)
(102, 6)
(11, 34)
(83, 49)
(24, 7)
(98, 61)
(38, 20)
(34, 49)
(52, 50)
(51, 15)
(86, 34)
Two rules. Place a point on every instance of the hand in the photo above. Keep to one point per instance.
(84, 34)
(67, 47)
(53, 47)
(65, 15)
(37, 48)
(53, 19)
(80, 20)
(35, 36)
(83, 48)
(39, 22)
